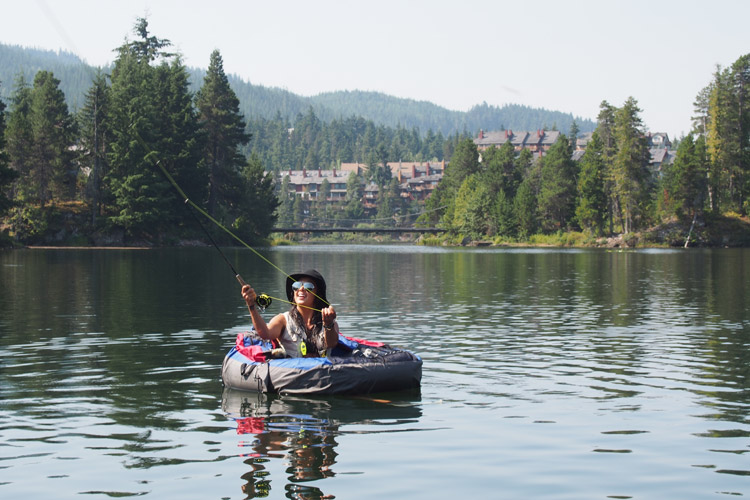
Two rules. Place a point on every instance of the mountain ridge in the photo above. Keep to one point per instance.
(259, 101)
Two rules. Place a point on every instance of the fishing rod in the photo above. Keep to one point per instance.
(262, 300)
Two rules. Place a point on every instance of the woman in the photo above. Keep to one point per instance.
(309, 327)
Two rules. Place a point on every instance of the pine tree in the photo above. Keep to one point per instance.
(257, 211)
(606, 130)
(684, 180)
(354, 208)
(525, 208)
(631, 177)
(94, 140)
(728, 138)
(463, 163)
(7, 174)
(143, 202)
(472, 208)
(285, 209)
(500, 169)
(53, 131)
(224, 127)
(592, 200)
(557, 191)
(181, 140)
(20, 140)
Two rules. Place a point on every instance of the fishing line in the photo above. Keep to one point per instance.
(189, 203)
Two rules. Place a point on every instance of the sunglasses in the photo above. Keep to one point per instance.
(303, 284)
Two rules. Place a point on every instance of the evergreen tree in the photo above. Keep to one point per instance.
(592, 200)
(7, 174)
(224, 127)
(557, 191)
(180, 142)
(500, 169)
(631, 177)
(53, 133)
(144, 203)
(355, 210)
(258, 202)
(94, 140)
(298, 211)
(285, 209)
(525, 208)
(20, 140)
(472, 207)
(684, 181)
(503, 220)
(728, 137)
(322, 204)
(463, 163)
(606, 130)
(388, 198)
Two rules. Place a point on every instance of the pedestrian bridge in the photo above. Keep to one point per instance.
(431, 230)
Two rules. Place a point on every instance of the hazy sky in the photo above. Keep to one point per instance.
(559, 55)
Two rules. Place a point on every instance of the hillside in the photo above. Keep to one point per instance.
(257, 101)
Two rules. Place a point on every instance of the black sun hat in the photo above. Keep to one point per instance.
(320, 284)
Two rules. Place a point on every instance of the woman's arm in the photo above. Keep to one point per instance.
(268, 331)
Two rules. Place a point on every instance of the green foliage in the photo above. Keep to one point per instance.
(30, 223)
(143, 202)
(684, 181)
(285, 210)
(7, 174)
(592, 200)
(472, 207)
(147, 113)
(630, 175)
(259, 203)
(354, 210)
(728, 137)
(225, 133)
(561, 239)
(503, 219)
(94, 139)
(557, 191)
(39, 136)
(525, 208)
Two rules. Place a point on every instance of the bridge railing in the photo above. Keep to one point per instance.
(431, 230)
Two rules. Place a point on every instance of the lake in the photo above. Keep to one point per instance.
(548, 373)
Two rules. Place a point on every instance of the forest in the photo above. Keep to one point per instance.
(611, 189)
(101, 174)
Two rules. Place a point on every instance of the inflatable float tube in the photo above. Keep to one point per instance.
(354, 366)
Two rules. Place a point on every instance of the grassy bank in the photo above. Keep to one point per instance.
(728, 230)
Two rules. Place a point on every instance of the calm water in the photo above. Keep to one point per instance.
(548, 374)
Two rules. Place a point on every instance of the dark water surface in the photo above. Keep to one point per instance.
(547, 374)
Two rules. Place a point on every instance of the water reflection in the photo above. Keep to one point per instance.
(302, 433)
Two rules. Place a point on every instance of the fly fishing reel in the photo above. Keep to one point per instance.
(263, 301)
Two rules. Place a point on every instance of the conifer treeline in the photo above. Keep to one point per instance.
(142, 117)
(611, 189)
(145, 112)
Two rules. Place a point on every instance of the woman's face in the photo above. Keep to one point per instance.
(303, 293)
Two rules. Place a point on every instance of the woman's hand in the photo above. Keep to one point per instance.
(329, 327)
(249, 295)
(328, 314)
